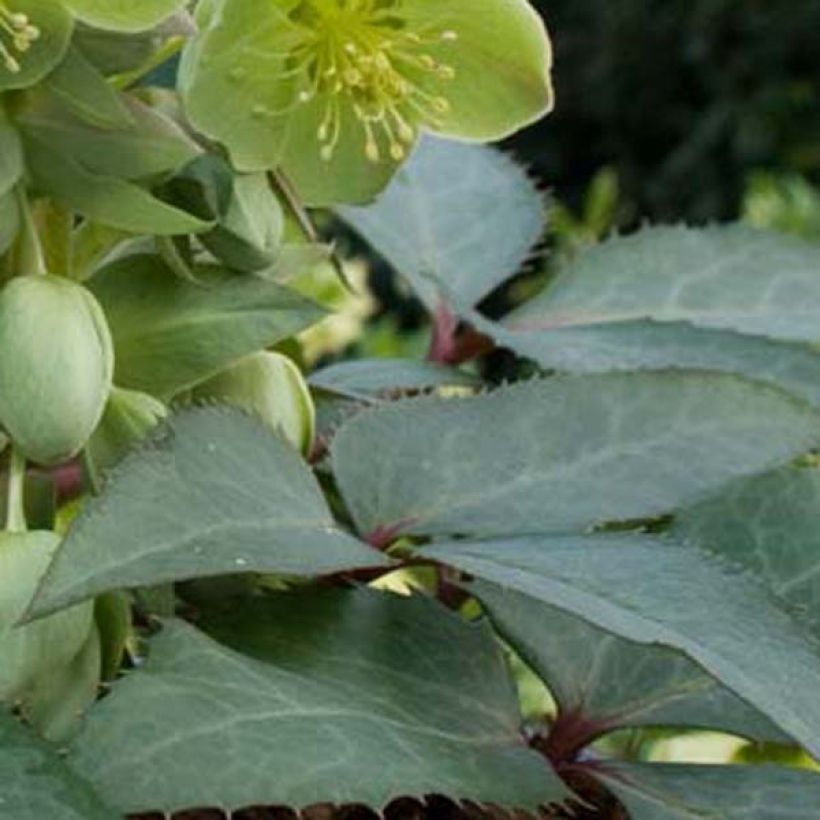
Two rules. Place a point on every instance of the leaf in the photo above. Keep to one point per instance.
(351, 697)
(110, 201)
(770, 525)
(151, 145)
(124, 15)
(562, 454)
(365, 378)
(653, 590)
(11, 155)
(84, 91)
(650, 345)
(55, 26)
(721, 277)
(169, 334)
(116, 53)
(461, 214)
(602, 682)
(36, 785)
(677, 792)
(211, 492)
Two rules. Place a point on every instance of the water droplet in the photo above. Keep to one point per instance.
(259, 111)
(241, 562)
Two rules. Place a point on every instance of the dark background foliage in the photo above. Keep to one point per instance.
(682, 97)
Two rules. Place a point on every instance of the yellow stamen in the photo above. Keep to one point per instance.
(16, 35)
(358, 56)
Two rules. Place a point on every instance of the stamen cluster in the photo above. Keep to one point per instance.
(16, 35)
(358, 54)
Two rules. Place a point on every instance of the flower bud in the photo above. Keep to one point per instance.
(56, 365)
(35, 649)
(129, 416)
(271, 386)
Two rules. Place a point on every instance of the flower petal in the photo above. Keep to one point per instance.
(502, 59)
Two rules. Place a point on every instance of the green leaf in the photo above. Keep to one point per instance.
(35, 784)
(676, 792)
(463, 215)
(211, 492)
(169, 334)
(11, 155)
(367, 378)
(603, 683)
(124, 15)
(650, 345)
(249, 80)
(724, 278)
(352, 697)
(150, 145)
(54, 25)
(770, 525)
(562, 454)
(107, 200)
(656, 591)
(116, 53)
(84, 91)
(608, 683)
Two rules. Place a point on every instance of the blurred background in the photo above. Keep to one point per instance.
(686, 101)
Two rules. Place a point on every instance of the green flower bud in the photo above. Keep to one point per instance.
(56, 365)
(36, 649)
(271, 386)
(129, 416)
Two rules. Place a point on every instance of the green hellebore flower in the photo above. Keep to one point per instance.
(56, 366)
(36, 649)
(128, 417)
(336, 92)
(123, 15)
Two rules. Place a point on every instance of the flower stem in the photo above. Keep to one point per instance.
(29, 254)
(283, 188)
(15, 498)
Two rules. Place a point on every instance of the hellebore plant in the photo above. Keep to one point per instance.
(390, 578)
